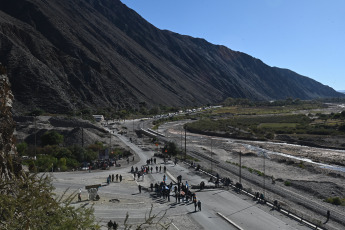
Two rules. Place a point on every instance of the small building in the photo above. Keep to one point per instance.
(98, 118)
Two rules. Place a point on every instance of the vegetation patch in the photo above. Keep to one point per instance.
(287, 183)
(335, 200)
(243, 122)
(277, 125)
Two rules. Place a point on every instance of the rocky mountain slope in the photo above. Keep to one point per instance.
(10, 166)
(99, 53)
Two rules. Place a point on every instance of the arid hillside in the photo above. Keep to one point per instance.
(66, 54)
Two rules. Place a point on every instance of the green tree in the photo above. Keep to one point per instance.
(45, 163)
(170, 149)
(123, 114)
(51, 138)
(48, 150)
(29, 203)
(64, 153)
(90, 155)
(155, 110)
(22, 148)
(62, 164)
(72, 163)
(77, 152)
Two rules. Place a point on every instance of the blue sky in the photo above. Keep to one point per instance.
(306, 36)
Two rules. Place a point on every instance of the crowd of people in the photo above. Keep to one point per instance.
(181, 191)
(111, 178)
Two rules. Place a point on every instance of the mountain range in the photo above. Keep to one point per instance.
(67, 54)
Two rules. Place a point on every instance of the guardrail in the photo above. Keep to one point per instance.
(270, 204)
(155, 132)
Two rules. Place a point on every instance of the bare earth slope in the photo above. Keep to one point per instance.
(99, 53)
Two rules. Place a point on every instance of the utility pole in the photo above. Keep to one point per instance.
(82, 137)
(109, 142)
(240, 175)
(82, 131)
(211, 155)
(185, 143)
(181, 137)
(35, 133)
(181, 149)
(263, 154)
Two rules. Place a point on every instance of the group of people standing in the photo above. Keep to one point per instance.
(163, 189)
(147, 169)
(112, 225)
(112, 177)
(181, 191)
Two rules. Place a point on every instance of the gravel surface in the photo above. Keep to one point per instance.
(307, 179)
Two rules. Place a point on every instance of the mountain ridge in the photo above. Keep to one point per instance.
(92, 53)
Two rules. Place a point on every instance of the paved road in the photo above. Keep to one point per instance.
(245, 213)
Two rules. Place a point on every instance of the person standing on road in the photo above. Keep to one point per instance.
(79, 195)
(199, 205)
(120, 178)
(195, 204)
(328, 215)
(110, 224)
(179, 179)
(115, 225)
(139, 186)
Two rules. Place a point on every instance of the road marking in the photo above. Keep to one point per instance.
(136, 181)
(174, 226)
(136, 203)
(171, 177)
(230, 221)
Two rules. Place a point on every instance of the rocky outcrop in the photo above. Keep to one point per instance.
(63, 54)
(9, 162)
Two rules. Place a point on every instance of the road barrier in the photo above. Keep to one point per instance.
(229, 221)
(281, 210)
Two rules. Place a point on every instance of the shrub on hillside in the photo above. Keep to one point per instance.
(52, 138)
